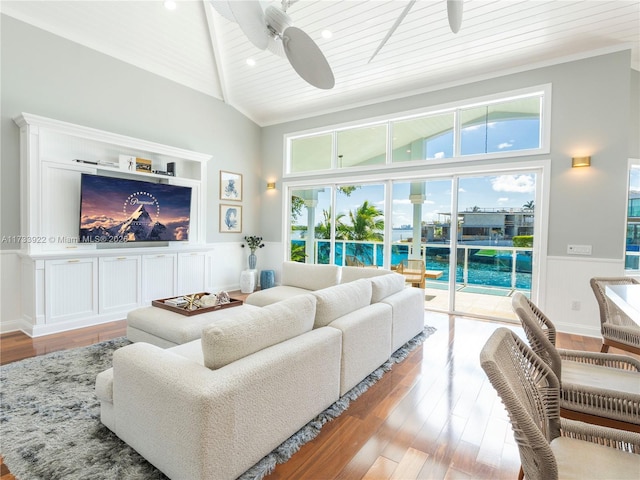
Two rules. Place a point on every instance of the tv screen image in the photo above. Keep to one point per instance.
(122, 210)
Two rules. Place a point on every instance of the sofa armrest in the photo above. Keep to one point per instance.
(408, 315)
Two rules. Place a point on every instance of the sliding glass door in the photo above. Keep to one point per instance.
(474, 233)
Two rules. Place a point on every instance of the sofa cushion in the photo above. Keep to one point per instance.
(310, 276)
(335, 302)
(262, 298)
(350, 274)
(236, 337)
(385, 285)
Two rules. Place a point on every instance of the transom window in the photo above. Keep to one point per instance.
(509, 125)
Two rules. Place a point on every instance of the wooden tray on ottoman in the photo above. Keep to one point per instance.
(234, 302)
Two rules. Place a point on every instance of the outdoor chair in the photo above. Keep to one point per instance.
(352, 261)
(551, 447)
(413, 271)
(598, 388)
(617, 329)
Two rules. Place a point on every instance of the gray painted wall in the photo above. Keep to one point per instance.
(591, 110)
(47, 75)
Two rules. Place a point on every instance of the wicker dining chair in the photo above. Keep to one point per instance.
(551, 447)
(617, 329)
(599, 388)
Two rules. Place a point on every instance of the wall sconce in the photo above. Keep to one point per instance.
(581, 162)
(271, 185)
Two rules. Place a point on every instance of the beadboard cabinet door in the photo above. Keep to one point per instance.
(120, 283)
(71, 291)
(159, 279)
(192, 272)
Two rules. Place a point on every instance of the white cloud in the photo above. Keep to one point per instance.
(462, 190)
(505, 145)
(514, 183)
(401, 201)
(503, 199)
(439, 155)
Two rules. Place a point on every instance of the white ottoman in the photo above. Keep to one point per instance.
(164, 328)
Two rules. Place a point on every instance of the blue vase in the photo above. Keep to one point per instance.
(252, 261)
(267, 279)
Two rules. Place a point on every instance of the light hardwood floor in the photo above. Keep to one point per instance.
(434, 416)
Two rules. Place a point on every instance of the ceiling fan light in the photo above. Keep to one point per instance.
(327, 34)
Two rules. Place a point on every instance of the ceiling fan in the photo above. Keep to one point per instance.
(454, 13)
(272, 28)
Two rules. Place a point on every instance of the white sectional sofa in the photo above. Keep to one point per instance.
(212, 408)
(300, 278)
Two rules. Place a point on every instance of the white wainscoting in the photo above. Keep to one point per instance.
(567, 282)
(229, 259)
(10, 295)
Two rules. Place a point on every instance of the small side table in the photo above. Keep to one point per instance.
(247, 281)
(267, 279)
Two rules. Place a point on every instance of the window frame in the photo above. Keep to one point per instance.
(543, 91)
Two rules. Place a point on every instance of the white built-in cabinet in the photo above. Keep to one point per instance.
(68, 285)
(73, 284)
(192, 274)
(160, 272)
(120, 283)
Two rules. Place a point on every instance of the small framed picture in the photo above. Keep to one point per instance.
(230, 218)
(230, 186)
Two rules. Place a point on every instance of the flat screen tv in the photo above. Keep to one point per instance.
(115, 210)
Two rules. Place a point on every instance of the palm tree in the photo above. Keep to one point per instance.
(323, 229)
(367, 224)
(529, 205)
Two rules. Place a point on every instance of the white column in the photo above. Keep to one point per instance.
(417, 197)
(311, 229)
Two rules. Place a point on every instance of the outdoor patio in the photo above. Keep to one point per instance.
(493, 302)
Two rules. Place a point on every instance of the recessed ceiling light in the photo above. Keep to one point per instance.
(251, 62)
(327, 34)
(170, 5)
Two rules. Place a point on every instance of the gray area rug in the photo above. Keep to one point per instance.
(50, 419)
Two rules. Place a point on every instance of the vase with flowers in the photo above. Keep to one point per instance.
(253, 242)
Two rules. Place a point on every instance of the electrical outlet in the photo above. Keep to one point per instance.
(575, 305)
(579, 249)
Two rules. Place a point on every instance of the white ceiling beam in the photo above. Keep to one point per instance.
(212, 24)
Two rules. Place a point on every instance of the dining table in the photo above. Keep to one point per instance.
(626, 298)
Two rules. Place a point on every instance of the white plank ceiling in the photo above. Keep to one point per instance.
(194, 46)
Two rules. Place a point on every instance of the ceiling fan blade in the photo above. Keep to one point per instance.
(223, 8)
(393, 28)
(454, 12)
(250, 18)
(307, 59)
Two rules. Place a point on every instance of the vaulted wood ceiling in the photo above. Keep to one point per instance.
(195, 46)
